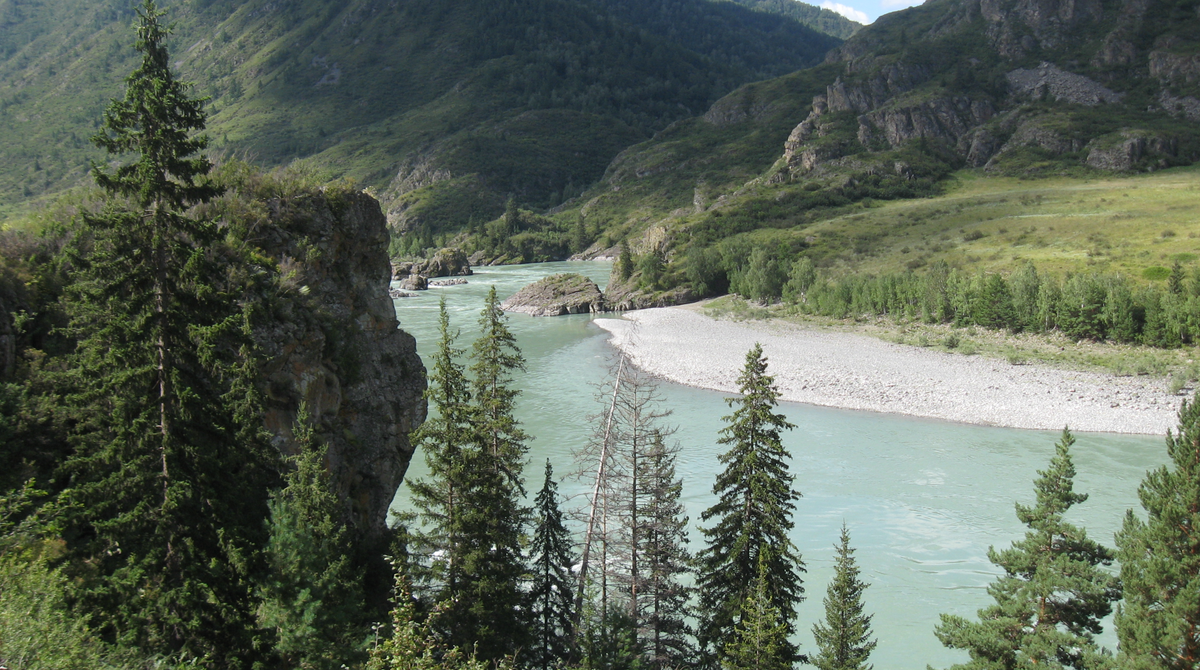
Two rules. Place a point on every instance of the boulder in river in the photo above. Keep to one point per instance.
(557, 295)
(444, 263)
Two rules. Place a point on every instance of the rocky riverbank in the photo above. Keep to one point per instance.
(845, 370)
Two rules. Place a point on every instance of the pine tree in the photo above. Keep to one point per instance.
(170, 473)
(759, 641)
(445, 438)
(753, 512)
(311, 596)
(844, 637)
(552, 594)
(1159, 622)
(1052, 595)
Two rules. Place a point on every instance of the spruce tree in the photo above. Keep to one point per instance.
(752, 516)
(759, 641)
(169, 472)
(1159, 623)
(495, 357)
(552, 594)
(445, 438)
(844, 637)
(665, 562)
(1052, 595)
(484, 607)
(311, 596)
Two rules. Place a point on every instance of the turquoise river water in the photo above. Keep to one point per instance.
(923, 499)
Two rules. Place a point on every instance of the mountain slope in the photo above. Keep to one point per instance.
(1007, 87)
(380, 91)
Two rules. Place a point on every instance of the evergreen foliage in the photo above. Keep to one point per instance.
(495, 357)
(665, 563)
(1094, 306)
(445, 438)
(552, 593)
(411, 645)
(759, 641)
(624, 266)
(169, 474)
(844, 637)
(483, 609)
(1053, 594)
(311, 597)
(1159, 620)
(752, 517)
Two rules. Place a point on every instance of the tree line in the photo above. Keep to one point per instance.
(1081, 305)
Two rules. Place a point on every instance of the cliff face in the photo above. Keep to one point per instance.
(333, 343)
(1102, 83)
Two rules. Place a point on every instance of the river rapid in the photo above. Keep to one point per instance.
(923, 499)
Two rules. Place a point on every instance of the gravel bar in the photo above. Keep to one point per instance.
(849, 371)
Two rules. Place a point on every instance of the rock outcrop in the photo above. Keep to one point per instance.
(888, 92)
(1048, 81)
(333, 344)
(557, 295)
(621, 297)
(443, 263)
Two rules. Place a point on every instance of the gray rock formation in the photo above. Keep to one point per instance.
(1127, 150)
(414, 283)
(557, 295)
(1048, 81)
(334, 345)
(621, 297)
(443, 263)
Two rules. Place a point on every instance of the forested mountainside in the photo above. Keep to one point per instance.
(1022, 88)
(488, 99)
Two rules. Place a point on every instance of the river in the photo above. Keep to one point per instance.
(923, 499)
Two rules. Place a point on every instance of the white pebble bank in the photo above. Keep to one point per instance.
(849, 371)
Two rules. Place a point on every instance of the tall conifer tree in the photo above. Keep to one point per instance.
(1159, 622)
(169, 474)
(552, 594)
(666, 564)
(495, 357)
(484, 608)
(753, 515)
(446, 437)
(312, 598)
(1052, 596)
(844, 637)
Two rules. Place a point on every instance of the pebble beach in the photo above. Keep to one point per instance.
(850, 371)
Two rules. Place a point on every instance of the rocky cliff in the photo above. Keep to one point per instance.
(333, 344)
(1090, 82)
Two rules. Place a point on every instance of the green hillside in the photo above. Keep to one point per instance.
(801, 165)
(398, 96)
